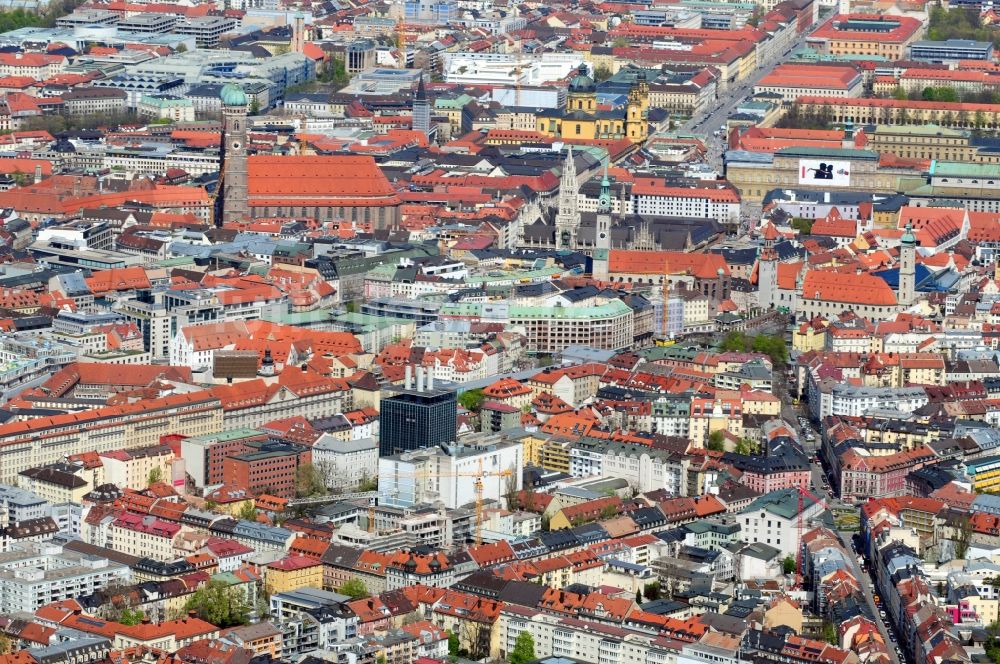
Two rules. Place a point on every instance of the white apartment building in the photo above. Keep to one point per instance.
(582, 641)
(856, 401)
(33, 575)
(433, 475)
(773, 519)
(646, 468)
(654, 199)
(345, 463)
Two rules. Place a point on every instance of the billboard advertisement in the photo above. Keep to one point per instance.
(828, 172)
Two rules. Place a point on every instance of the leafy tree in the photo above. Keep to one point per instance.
(309, 481)
(248, 512)
(899, 94)
(472, 400)
(155, 476)
(619, 42)
(652, 590)
(354, 588)
(131, 617)
(772, 346)
(716, 442)
(638, 596)
(524, 649)
(220, 604)
(830, 633)
(609, 512)
(334, 72)
(6, 647)
(803, 226)
(211, 505)
(453, 644)
(546, 521)
(788, 565)
(254, 107)
(602, 73)
(181, 48)
(380, 659)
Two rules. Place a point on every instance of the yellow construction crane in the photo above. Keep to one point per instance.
(479, 475)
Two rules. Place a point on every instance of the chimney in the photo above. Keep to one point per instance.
(409, 377)
(38, 173)
(420, 378)
(430, 380)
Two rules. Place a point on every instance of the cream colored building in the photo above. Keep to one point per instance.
(48, 440)
(145, 536)
(132, 469)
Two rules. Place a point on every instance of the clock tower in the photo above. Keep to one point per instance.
(602, 232)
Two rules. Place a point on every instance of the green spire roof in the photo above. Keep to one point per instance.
(908, 237)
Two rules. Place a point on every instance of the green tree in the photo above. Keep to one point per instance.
(254, 107)
(946, 95)
(354, 588)
(546, 521)
(453, 644)
(716, 442)
(788, 565)
(638, 596)
(524, 649)
(652, 590)
(309, 481)
(830, 633)
(181, 48)
(746, 446)
(155, 476)
(899, 94)
(220, 604)
(131, 617)
(772, 346)
(609, 511)
(380, 659)
(472, 400)
(602, 73)
(6, 647)
(803, 226)
(735, 342)
(248, 511)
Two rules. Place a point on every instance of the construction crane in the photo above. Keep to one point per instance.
(803, 492)
(478, 484)
(664, 323)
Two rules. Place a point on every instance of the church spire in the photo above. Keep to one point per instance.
(567, 217)
(604, 202)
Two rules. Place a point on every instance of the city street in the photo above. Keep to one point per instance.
(736, 93)
(869, 591)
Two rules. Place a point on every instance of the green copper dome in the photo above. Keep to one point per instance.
(233, 95)
(908, 237)
(582, 82)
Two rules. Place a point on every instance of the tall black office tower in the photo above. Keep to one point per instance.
(414, 418)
